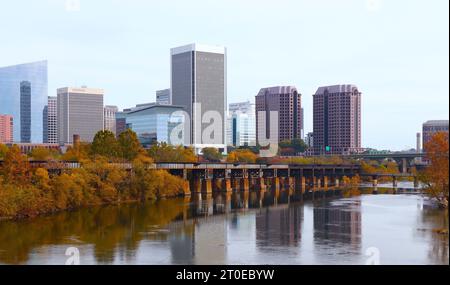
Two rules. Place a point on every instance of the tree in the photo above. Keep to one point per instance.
(41, 154)
(211, 154)
(129, 145)
(105, 144)
(16, 169)
(242, 155)
(3, 150)
(436, 175)
(293, 146)
(163, 152)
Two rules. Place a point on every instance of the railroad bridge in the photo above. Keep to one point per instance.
(223, 177)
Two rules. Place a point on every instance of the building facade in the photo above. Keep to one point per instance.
(109, 118)
(23, 95)
(199, 85)
(430, 128)
(309, 139)
(163, 97)
(241, 127)
(50, 121)
(153, 123)
(25, 111)
(286, 101)
(80, 112)
(337, 120)
(6, 129)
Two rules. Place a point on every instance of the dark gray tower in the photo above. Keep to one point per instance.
(25, 111)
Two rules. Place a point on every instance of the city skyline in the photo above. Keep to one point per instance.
(395, 63)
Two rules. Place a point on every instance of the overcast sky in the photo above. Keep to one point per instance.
(396, 51)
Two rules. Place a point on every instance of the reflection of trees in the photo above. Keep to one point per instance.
(432, 220)
(107, 228)
(335, 224)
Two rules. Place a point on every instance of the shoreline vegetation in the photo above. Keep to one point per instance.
(28, 192)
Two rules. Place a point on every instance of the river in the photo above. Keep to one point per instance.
(355, 227)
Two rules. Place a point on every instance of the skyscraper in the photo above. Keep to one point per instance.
(109, 117)
(6, 129)
(241, 129)
(23, 94)
(50, 119)
(430, 128)
(287, 102)
(163, 97)
(80, 112)
(337, 119)
(25, 111)
(199, 84)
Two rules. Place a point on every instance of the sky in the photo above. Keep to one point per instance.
(395, 51)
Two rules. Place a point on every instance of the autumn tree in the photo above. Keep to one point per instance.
(16, 169)
(3, 150)
(164, 152)
(242, 155)
(129, 145)
(41, 154)
(436, 174)
(105, 144)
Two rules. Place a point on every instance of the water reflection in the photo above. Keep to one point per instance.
(252, 228)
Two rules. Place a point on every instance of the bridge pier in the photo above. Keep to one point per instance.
(336, 182)
(244, 183)
(300, 184)
(325, 182)
(207, 186)
(394, 182)
(186, 188)
(276, 183)
(416, 182)
(375, 182)
(260, 184)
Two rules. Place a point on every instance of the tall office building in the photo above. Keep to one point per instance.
(241, 128)
(50, 119)
(23, 94)
(6, 129)
(109, 118)
(25, 112)
(287, 102)
(337, 119)
(80, 112)
(430, 128)
(309, 139)
(163, 97)
(199, 84)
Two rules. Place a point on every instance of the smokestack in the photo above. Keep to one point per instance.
(418, 148)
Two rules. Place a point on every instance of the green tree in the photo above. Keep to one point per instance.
(293, 146)
(105, 144)
(129, 145)
(211, 154)
(163, 152)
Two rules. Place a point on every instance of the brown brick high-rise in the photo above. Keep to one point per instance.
(287, 102)
(337, 120)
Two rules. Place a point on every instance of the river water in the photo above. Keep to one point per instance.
(354, 227)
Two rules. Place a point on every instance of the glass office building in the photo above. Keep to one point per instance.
(154, 123)
(23, 95)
